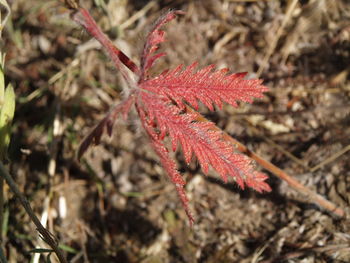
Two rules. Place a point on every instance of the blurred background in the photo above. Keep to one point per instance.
(117, 204)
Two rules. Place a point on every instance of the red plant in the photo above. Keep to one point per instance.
(167, 106)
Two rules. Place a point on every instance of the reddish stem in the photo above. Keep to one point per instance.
(295, 184)
(83, 17)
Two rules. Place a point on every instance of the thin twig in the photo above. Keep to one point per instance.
(331, 158)
(295, 184)
(57, 132)
(46, 235)
(139, 14)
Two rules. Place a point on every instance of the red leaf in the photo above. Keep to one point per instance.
(94, 137)
(161, 105)
(207, 86)
(167, 163)
(154, 38)
(200, 139)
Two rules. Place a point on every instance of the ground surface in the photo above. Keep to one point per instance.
(117, 204)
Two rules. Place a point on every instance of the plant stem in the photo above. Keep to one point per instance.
(83, 17)
(295, 184)
(46, 235)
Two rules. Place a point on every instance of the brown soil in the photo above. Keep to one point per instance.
(120, 207)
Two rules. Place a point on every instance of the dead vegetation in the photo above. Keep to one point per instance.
(117, 205)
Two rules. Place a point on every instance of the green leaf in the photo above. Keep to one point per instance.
(68, 249)
(6, 115)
